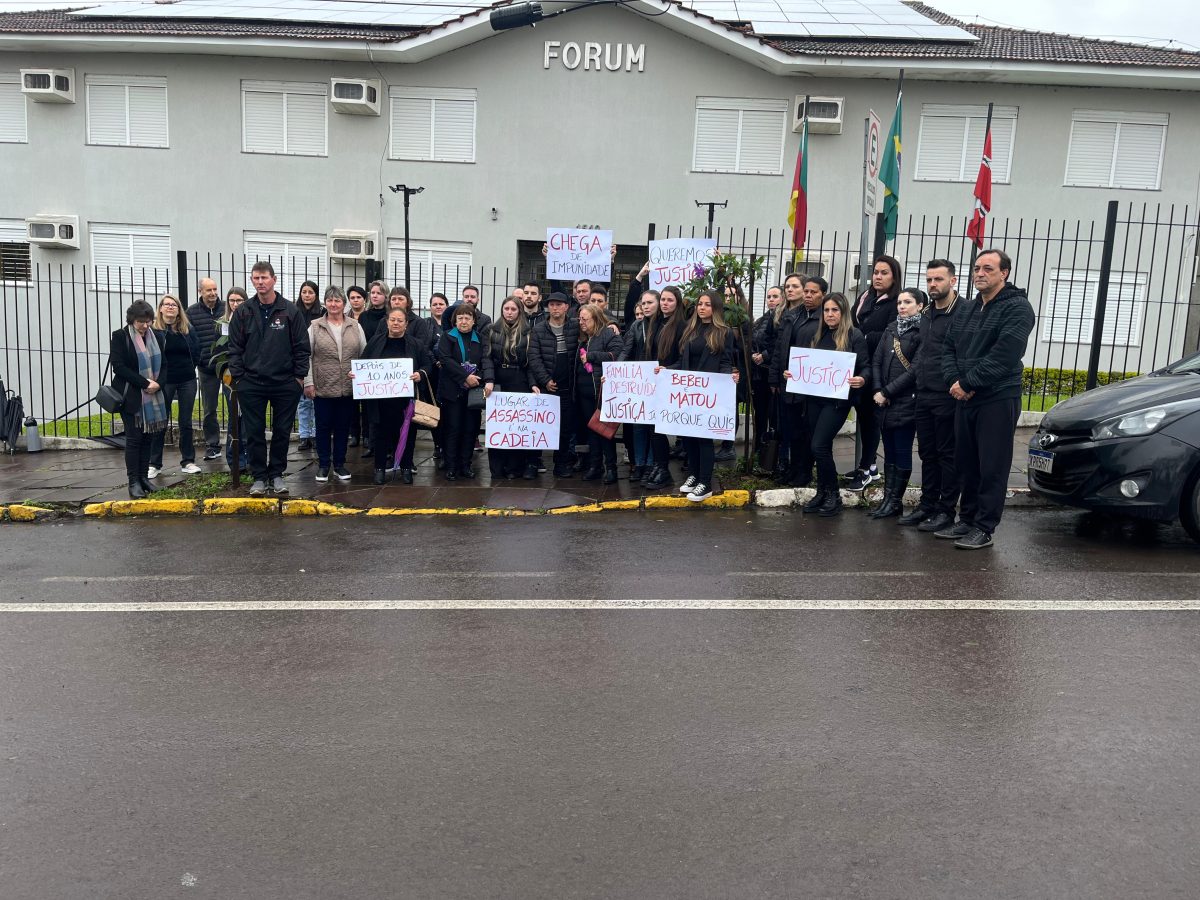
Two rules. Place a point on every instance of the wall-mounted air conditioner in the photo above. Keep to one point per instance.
(815, 263)
(349, 245)
(824, 114)
(48, 85)
(357, 96)
(53, 231)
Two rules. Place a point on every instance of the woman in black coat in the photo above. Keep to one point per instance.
(765, 418)
(662, 343)
(508, 343)
(827, 415)
(707, 345)
(598, 344)
(872, 312)
(466, 364)
(391, 418)
(636, 349)
(894, 375)
(181, 355)
(135, 353)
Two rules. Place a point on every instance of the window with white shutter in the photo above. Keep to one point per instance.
(16, 265)
(287, 118)
(1116, 149)
(443, 266)
(433, 124)
(296, 258)
(950, 144)
(126, 111)
(131, 258)
(1071, 308)
(739, 135)
(14, 128)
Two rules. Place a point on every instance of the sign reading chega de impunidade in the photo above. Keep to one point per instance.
(674, 261)
(574, 253)
(630, 393)
(382, 379)
(521, 421)
(820, 373)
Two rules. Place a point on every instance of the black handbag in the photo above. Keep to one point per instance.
(476, 399)
(108, 397)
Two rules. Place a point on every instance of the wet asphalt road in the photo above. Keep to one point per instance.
(261, 753)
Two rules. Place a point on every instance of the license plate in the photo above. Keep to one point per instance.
(1041, 461)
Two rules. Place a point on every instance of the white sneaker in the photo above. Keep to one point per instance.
(191, 469)
(153, 473)
(700, 492)
(688, 486)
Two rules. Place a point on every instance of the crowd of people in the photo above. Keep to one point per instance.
(929, 365)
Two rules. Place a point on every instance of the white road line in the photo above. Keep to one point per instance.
(580, 604)
(802, 574)
(83, 579)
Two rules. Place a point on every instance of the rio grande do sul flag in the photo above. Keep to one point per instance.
(977, 230)
(798, 207)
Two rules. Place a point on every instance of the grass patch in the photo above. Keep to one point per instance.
(197, 487)
(736, 478)
(1041, 402)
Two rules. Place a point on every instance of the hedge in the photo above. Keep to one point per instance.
(1066, 382)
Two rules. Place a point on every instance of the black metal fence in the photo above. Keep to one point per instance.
(1113, 296)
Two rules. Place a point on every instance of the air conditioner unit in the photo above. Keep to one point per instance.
(347, 244)
(53, 231)
(48, 85)
(824, 114)
(813, 263)
(357, 96)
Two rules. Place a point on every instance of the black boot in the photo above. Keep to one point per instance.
(902, 476)
(660, 478)
(891, 505)
(817, 501)
(610, 475)
(918, 515)
(381, 476)
(594, 471)
(637, 473)
(832, 505)
(146, 485)
(136, 491)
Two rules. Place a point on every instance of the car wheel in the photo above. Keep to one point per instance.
(1189, 507)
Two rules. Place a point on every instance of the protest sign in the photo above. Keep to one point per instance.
(381, 379)
(674, 261)
(820, 373)
(521, 421)
(630, 393)
(696, 404)
(575, 253)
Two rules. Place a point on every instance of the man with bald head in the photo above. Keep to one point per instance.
(203, 316)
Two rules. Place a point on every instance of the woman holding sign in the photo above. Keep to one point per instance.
(827, 415)
(466, 366)
(391, 417)
(336, 339)
(509, 346)
(662, 343)
(707, 345)
(894, 375)
(598, 344)
(636, 349)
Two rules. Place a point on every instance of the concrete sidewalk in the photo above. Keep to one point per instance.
(74, 477)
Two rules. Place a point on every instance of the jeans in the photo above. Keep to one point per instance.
(598, 447)
(897, 445)
(826, 417)
(868, 428)
(935, 445)
(138, 447)
(184, 394)
(700, 453)
(642, 435)
(985, 446)
(333, 415)
(306, 418)
(209, 391)
(254, 399)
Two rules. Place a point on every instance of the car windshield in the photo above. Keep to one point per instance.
(1187, 364)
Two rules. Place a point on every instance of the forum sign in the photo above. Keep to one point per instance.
(608, 57)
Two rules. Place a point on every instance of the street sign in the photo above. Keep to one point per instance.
(874, 148)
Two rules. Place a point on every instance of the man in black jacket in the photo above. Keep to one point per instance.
(203, 316)
(935, 407)
(798, 328)
(268, 359)
(552, 350)
(982, 361)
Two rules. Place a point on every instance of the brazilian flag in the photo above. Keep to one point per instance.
(889, 172)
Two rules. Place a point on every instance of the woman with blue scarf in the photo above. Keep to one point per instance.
(136, 357)
(466, 365)
(894, 372)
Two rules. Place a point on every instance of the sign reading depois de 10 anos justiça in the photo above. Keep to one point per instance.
(592, 55)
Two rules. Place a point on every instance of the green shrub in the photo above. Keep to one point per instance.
(1066, 382)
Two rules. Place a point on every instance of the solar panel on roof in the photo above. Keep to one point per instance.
(831, 18)
(340, 12)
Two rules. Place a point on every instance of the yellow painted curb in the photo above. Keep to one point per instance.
(97, 509)
(233, 506)
(328, 509)
(19, 512)
(620, 504)
(151, 508)
(317, 508)
(727, 500)
(567, 510)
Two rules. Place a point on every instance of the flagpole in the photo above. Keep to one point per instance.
(987, 129)
(880, 228)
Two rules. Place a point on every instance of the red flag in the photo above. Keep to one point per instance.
(983, 193)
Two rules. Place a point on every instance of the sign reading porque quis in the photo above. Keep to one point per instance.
(594, 55)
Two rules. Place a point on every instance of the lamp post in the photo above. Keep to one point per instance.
(712, 206)
(408, 192)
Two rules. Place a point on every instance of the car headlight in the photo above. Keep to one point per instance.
(1144, 421)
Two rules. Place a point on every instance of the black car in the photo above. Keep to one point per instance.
(1131, 448)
